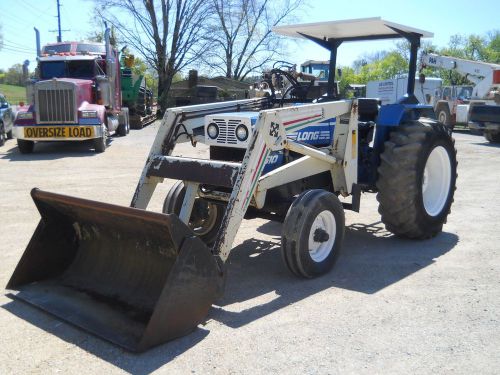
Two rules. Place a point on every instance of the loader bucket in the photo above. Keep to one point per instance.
(133, 277)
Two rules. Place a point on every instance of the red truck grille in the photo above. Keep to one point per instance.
(56, 105)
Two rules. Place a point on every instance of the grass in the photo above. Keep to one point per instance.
(14, 94)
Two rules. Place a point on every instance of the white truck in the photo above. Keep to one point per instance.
(470, 104)
(390, 91)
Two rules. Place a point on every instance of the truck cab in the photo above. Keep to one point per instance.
(75, 96)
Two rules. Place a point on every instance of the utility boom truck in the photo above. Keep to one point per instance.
(476, 105)
(140, 278)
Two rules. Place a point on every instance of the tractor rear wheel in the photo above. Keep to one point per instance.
(312, 233)
(206, 217)
(417, 176)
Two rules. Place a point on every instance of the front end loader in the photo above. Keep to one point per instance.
(139, 278)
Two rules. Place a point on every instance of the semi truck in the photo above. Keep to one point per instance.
(76, 96)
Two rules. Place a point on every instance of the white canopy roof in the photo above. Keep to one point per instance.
(369, 28)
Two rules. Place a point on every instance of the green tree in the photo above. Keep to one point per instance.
(14, 75)
(390, 66)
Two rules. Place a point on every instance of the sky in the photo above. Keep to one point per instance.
(442, 17)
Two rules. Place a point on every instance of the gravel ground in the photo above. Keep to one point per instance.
(389, 306)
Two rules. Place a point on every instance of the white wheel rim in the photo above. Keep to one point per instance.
(325, 221)
(436, 181)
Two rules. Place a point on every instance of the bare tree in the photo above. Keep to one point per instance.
(168, 34)
(241, 37)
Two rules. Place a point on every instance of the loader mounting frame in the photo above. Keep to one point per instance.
(249, 184)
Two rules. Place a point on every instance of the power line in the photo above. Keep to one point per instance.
(15, 52)
(39, 12)
(15, 45)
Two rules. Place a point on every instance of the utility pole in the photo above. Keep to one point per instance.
(59, 38)
(58, 31)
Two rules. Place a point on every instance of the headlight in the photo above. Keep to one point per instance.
(242, 133)
(213, 130)
(25, 115)
(87, 114)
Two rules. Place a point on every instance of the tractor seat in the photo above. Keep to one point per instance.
(367, 110)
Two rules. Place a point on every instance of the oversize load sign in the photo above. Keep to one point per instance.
(59, 132)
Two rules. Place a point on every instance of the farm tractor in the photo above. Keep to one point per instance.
(139, 278)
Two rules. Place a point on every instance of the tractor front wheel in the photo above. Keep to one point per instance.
(417, 176)
(312, 233)
(206, 217)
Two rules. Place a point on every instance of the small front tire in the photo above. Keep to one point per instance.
(312, 233)
(206, 217)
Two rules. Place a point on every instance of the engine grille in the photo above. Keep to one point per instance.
(227, 131)
(56, 105)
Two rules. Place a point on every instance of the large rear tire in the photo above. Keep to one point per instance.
(417, 176)
(206, 217)
(312, 233)
(25, 147)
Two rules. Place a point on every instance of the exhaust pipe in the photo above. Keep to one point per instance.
(110, 67)
(38, 49)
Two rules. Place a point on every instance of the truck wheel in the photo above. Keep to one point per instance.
(122, 130)
(206, 217)
(100, 144)
(124, 127)
(26, 147)
(444, 117)
(492, 137)
(312, 233)
(3, 136)
(417, 176)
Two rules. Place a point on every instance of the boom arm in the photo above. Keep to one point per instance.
(485, 76)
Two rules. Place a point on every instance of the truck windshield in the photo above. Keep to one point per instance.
(52, 69)
(80, 69)
(465, 93)
(67, 69)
